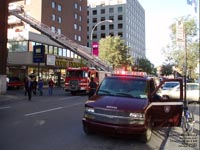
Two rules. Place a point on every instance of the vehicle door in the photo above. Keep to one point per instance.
(166, 112)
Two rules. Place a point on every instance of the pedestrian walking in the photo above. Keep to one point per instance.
(51, 85)
(25, 86)
(28, 87)
(34, 86)
(92, 86)
(40, 86)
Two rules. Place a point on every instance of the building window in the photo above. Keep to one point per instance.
(120, 34)
(79, 38)
(111, 18)
(119, 9)
(80, 18)
(79, 28)
(102, 11)
(94, 12)
(120, 26)
(75, 5)
(103, 18)
(75, 37)
(59, 30)
(60, 52)
(64, 52)
(50, 49)
(75, 16)
(111, 26)
(75, 26)
(53, 29)
(68, 53)
(111, 10)
(120, 17)
(103, 35)
(59, 8)
(88, 13)
(103, 27)
(53, 4)
(94, 36)
(55, 51)
(80, 8)
(94, 20)
(59, 19)
(111, 34)
(53, 17)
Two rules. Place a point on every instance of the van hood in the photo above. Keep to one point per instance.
(118, 103)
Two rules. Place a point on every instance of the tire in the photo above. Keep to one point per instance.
(73, 92)
(87, 131)
(146, 137)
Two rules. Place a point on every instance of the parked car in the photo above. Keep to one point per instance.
(169, 85)
(14, 82)
(192, 92)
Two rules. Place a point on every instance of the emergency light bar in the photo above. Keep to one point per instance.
(130, 73)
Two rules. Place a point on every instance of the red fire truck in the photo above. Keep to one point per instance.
(77, 79)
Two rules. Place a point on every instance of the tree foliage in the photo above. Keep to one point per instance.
(145, 65)
(114, 51)
(176, 55)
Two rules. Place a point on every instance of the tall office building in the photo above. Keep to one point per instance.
(128, 18)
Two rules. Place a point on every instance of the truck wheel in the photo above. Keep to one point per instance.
(73, 92)
(87, 131)
(147, 135)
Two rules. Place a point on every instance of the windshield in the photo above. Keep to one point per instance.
(170, 84)
(123, 87)
(75, 73)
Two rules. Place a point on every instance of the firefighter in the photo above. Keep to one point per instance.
(92, 86)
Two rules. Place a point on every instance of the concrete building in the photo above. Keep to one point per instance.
(128, 18)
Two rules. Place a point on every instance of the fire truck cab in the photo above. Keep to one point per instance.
(77, 79)
(131, 105)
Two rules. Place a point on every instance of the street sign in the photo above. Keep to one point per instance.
(180, 36)
(95, 48)
(38, 54)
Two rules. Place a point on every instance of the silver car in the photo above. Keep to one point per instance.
(192, 92)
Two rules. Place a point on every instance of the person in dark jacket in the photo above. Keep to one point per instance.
(40, 86)
(92, 86)
(34, 84)
(51, 85)
(29, 87)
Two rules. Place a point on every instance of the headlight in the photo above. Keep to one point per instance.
(89, 109)
(136, 115)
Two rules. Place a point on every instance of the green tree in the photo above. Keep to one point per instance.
(166, 70)
(114, 51)
(176, 54)
(145, 65)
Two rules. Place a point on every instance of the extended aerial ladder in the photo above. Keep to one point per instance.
(59, 38)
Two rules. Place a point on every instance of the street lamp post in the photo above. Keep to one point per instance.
(110, 21)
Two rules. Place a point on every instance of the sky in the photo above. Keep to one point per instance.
(159, 15)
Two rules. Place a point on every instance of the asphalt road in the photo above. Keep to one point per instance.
(54, 123)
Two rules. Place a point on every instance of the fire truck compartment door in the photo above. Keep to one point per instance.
(166, 113)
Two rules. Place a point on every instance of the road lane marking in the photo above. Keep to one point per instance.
(6, 107)
(52, 109)
(68, 97)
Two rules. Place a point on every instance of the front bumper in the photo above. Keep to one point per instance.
(112, 129)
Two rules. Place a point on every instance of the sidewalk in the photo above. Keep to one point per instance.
(179, 141)
(17, 95)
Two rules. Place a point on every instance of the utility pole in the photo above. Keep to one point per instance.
(3, 44)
